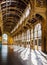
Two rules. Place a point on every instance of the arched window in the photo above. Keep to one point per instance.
(4, 38)
(37, 31)
(37, 35)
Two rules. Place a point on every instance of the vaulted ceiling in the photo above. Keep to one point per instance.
(12, 11)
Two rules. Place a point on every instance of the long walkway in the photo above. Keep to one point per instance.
(16, 55)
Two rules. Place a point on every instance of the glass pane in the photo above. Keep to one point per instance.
(35, 34)
(39, 33)
(39, 26)
(39, 42)
(35, 42)
(36, 28)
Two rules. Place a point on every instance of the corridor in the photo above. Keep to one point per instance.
(16, 55)
(23, 32)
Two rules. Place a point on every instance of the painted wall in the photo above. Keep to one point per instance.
(10, 40)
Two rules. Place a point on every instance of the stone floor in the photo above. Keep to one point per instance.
(16, 55)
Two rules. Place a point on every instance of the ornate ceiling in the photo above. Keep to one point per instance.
(12, 11)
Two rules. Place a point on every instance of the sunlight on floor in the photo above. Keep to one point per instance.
(36, 57)
(4, 52)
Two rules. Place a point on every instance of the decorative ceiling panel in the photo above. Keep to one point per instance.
(12, 11)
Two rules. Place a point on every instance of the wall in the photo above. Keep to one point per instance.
(10, 40)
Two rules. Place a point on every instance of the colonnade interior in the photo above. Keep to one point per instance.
(23, 32)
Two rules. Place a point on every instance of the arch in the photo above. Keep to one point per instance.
(37, 36)
(43, 28)
(4, 38)
(39, 16)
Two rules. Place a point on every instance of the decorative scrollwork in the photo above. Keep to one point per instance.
(40, 3)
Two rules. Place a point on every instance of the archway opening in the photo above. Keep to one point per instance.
(4, 39)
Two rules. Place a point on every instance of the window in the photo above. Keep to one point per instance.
(37, 33)
(39, 42)
(36, 42)
(28, 35)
